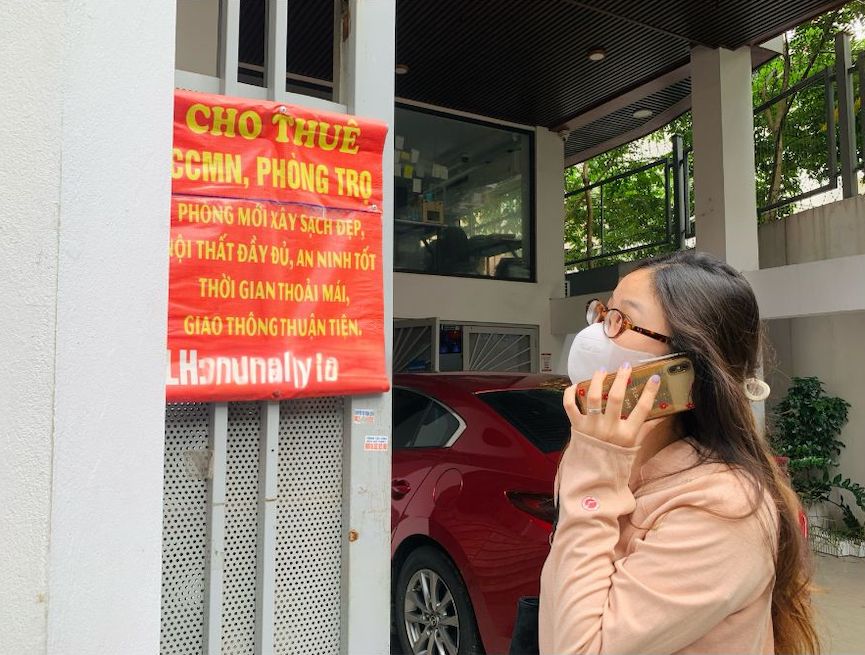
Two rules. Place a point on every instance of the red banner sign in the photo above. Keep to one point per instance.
(275, 285)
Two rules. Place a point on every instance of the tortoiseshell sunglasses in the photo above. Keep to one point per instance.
(615, 322)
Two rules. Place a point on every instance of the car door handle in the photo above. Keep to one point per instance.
(399, 488)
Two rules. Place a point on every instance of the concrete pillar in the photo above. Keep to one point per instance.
(365, 84)
(724, 178)
(83, 286)
(550, 235)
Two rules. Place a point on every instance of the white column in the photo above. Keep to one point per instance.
(550, 233)
(724, 178)
(86, 133)
(366, 86)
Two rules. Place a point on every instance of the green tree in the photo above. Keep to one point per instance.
(629, 212)
(791, 141)
(791, 138)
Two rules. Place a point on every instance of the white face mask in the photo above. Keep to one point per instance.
(593, 350)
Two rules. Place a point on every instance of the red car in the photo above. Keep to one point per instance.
(474, 461)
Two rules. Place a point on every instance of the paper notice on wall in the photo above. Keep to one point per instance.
(363, 416)
(408, 171)
(375, 442)
(398, 142)
(546, 362)
(440, 172)
(417, 185)
(415, 155)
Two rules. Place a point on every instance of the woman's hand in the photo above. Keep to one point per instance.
(608, 425)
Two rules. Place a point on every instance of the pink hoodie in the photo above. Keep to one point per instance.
(663, 568)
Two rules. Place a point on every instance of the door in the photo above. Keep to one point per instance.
(422, 430)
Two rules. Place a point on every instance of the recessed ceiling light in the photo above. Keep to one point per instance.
(596, 54)
(643, 113)
(401, 69)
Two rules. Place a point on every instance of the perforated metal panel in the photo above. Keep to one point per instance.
(309, 525)
(241, 529)
(184, 529)
(308, 536)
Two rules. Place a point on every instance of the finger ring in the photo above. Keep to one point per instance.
(594, 410)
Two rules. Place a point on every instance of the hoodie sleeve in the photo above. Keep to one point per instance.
(689, 573)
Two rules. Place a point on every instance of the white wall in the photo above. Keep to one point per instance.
(830, 348)
(86, 132)
(826, 232)
(820, 244)
(31, 37)
(496, 301)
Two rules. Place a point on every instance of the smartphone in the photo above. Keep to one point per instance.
(674, 396)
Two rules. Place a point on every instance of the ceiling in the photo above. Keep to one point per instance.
(524, 61)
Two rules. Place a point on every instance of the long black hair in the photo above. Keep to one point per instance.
(714, 318)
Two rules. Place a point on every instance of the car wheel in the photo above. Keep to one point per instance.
(433, 612)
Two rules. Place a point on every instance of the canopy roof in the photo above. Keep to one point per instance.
(526, 61)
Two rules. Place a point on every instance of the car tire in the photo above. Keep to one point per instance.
(451, 629)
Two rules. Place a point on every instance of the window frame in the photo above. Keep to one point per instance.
(461, 427)
(532, 199)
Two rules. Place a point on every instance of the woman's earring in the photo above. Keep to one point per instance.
(756, 390)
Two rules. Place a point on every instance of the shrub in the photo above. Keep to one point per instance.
(806, 428)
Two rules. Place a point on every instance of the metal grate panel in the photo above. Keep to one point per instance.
(241, 529)
(184, 529)
(309, 525)
(491, 351)
(413, 348)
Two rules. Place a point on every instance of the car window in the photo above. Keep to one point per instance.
(537, 413)
(420, 422)
(436, 429)
(409, 409)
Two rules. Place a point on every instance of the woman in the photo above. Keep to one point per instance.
(676, 535)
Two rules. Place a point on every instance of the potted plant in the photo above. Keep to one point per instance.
(805, 431)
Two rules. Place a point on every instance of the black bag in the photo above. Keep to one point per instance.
(525, 638)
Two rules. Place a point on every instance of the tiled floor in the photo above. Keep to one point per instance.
(841, 604)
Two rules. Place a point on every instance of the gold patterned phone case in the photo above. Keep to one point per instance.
(674, 395)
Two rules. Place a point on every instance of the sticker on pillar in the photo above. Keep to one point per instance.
(375, 442)
(546, 363)
(363, 417)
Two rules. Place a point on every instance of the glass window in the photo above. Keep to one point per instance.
(419, 422)
(436, 429)
(408, 411)
(463, 202)
(537, 413)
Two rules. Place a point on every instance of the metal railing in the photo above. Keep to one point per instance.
(779, 138)
(619, 224)
(860, 78)
(788, 145)
(809, 144)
